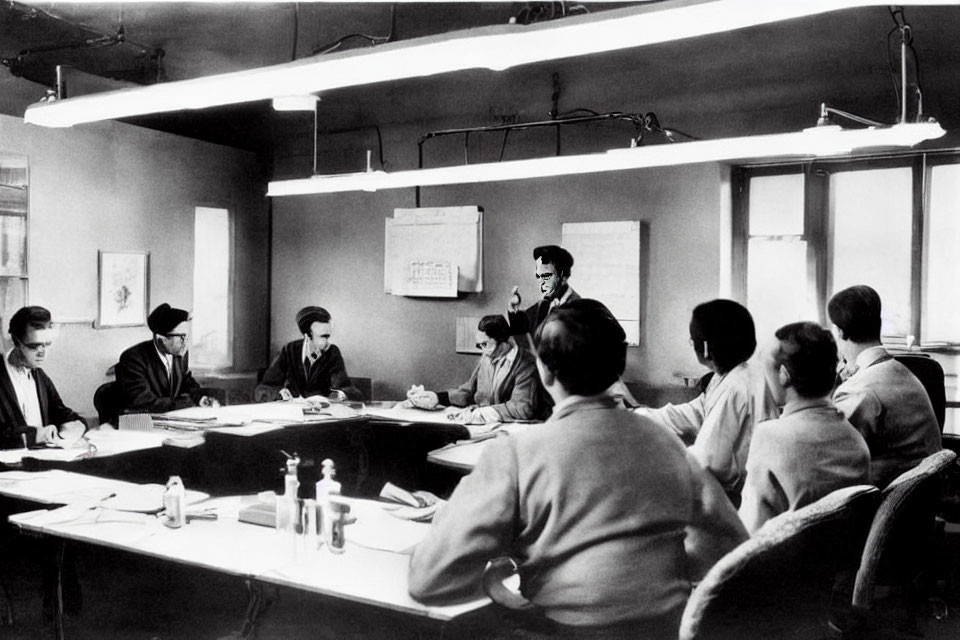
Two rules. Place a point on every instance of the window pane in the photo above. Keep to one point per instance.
(13, 246)
(872, 215)
(777, 291)
(13, 295)
(942, 295)
(211, 289)
(776, 205)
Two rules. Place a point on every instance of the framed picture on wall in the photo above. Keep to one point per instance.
(123, 279)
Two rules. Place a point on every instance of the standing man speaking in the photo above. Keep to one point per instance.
(553, 265)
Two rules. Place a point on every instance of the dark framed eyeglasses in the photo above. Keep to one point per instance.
(36, 346)
(325, 336)
(182, 336)
(543, 276)
(486, 343)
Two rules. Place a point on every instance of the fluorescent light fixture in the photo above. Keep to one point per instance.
(496, 47)
(818, 141)
(295, 103)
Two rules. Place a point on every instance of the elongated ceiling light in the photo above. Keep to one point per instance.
(495, 47)
(809, 143)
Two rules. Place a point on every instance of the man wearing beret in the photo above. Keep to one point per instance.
(154, 376)
(308, 367)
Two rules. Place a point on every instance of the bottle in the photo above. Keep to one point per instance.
(173, 503)
(325, 488)
(288, 506)
(338, 519)
(311, 525)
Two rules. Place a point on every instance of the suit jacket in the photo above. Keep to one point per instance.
(607, 514)
(889, 406)
(809, 452)
(326, 373)
(146, 387)
(526, 323)
(517, 397)
(12, 422)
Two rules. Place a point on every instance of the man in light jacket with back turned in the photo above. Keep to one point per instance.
(607, 514)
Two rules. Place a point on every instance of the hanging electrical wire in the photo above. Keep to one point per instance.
(330, 47)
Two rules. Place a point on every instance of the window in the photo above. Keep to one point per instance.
(212, 277)
(13, 235)
(805, 232)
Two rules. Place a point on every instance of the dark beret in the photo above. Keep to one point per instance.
(165, 319)
(308, 315)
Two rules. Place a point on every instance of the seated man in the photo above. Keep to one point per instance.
(881, 398)
(154, 376)
(308, 367)
(608, 515)
(31, 410)
(503, 386)
(811, 450)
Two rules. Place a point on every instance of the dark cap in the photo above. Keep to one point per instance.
(165, 319)
(308, 315)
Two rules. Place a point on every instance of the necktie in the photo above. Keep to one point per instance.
(306, 367)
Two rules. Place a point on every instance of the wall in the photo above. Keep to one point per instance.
(328, 250)
(113, 186)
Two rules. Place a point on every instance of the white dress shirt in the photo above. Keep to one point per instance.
(26, 388)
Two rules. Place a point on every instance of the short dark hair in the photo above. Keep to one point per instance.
(559, 257)
(35, 317)
(583, 345)
(727, 327)
(308, 315)
(856, 312)
(809, 353)
(495, 326)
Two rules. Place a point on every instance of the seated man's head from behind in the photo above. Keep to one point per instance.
(722, 334)
(802, 362)
(32, 335)
(582, 347)
(855, 312)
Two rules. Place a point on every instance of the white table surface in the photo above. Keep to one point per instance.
(362, 573)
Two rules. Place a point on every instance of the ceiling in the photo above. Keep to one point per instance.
(756, 80)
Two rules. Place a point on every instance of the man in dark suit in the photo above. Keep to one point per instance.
(29, 403)
(553, 266)
(31, 411)
(154, 376)
(308, 367)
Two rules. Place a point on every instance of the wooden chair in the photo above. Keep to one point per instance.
(779, 583)
(899, 553)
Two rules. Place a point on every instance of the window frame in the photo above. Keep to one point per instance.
(818, 223)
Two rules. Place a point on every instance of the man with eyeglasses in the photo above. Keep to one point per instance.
(154, 375)
(553, 266)
(503, 387)
(31, 411)
(309, 366)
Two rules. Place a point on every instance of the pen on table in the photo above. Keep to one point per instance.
(201, 516)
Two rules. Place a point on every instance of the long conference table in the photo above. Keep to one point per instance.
(122, 515)
(372, 571)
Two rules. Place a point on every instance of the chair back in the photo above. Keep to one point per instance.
(930, 374)
(106, 400)
(903, 528)
(778, 583)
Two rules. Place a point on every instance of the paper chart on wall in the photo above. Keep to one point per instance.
(417, 242)
(606, 267)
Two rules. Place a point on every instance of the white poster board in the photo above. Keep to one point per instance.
(607, 267)
(417, 242)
